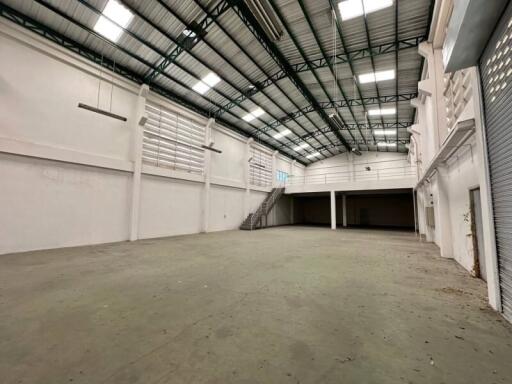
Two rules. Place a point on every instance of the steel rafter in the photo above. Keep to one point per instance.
(337, 18)
(246, 16)
(304, 57)
(247, 95)
(151, 46)
(367, 32)
(341, 104)
(331, 68)
(395, 125)
(204, 24)
(220, 54)
(360, 141)
(230, 83)
(99, 59)
(342, 58)
(396, 65)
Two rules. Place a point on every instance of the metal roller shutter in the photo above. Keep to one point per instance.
(496, 73)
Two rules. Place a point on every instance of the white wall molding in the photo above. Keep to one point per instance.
(46, 152)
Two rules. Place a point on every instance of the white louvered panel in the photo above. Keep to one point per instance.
(260, 168)
(457, 94)
(172, 141)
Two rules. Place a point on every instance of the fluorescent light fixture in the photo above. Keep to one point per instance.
(311, 155)
(384, 132)
(301, 146)
(120, 16)
(373, 77)
(207, 82)
(382, 111)
(382, 144)
(282, 134)
(254, 114)
(350, 9)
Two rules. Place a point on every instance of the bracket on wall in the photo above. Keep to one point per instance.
(211, 148)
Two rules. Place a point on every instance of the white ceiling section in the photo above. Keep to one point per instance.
(249, 75)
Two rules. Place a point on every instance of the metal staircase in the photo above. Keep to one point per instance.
(258, 219)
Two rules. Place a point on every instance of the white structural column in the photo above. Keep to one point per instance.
(442, 213)
(333, 210)
(274, 169)
(137, 127)
(292, 170)
(433, 87)
(208, 141)
(427, 201)
(292, 199)
(344, 199)
(247, 200)
(352, 168)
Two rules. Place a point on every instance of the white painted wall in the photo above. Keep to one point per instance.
(67, 173)
(461, 179)
(451, 176)
(347, 166)
(347, 172)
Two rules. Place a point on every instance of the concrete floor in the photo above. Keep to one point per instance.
(283, 305)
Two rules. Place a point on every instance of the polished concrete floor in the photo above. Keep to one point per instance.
(284, 305)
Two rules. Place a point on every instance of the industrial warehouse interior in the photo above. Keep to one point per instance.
(255, 191)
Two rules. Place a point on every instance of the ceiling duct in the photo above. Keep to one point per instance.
(266, 17)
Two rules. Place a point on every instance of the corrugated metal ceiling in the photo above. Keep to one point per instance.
(232, 51)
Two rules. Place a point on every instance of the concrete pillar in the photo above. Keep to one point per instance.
(415, 213)
(274, 169)
(333, 210)
(292, 172)
(443, 217)
(344, 199)
(208, 140)
(137, 127)
(247, 199)
(428, 201)
(434, 86)
(292, 209)
(352, 167)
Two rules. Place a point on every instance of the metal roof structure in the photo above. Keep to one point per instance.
(299, 80)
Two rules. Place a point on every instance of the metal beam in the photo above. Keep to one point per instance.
(152, 47)
(361, 142)
(247, 17)
(220, 54)
(249, 93)
(339, 88)
(203, 25)
(396, 65)
(97, 58)
(342, 58)
(367, 31)
(394, 125)
(192, 54)
(341, 104)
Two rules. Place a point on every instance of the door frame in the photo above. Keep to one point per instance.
(477, 270)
